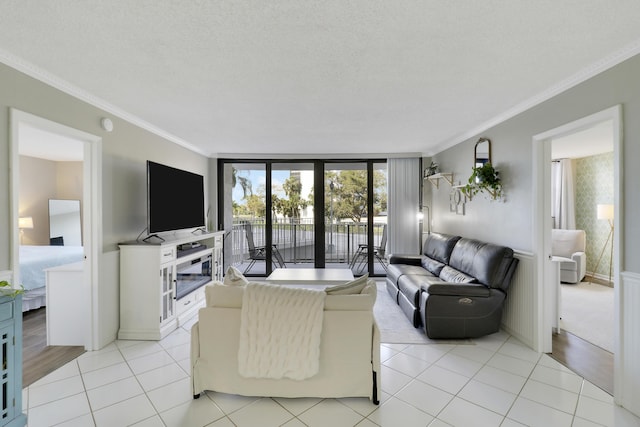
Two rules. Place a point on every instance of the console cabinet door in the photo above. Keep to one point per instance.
(7, 379)
(167, 293)
(11, 355)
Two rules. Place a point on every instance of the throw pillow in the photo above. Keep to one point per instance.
(233, 277)
(353, 287)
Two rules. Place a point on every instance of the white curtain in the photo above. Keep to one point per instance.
(402, 205)
(563, 207)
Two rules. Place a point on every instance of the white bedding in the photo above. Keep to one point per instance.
(34, 260)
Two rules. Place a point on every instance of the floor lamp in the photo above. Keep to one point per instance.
(605, 212)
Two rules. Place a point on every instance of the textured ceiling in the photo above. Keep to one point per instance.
(316, 77)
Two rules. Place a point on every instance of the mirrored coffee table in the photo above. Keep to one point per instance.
(310, 276)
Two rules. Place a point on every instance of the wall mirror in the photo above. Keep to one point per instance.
(482, 152)
(64, 223)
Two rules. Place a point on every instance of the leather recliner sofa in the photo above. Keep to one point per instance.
(456, 288)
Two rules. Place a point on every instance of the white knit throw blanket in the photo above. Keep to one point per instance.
(280, 328)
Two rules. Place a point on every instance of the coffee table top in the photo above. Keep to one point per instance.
(317, 276)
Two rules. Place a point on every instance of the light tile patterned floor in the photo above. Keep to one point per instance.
(496, 381)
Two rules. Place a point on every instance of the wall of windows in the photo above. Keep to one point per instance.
(303, 214)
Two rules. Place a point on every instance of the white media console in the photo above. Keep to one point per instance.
(162, 283)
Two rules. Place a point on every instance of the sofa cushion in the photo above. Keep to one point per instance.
(233, 277)
(452, 275)
(363, 301)
(409, 286)
(490, 264)
(353, 287)
(438, 246)
(433, 266)
(396, 270)
(410, 310)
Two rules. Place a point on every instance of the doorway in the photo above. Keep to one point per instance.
(548, 280)
(582, 168)
(582, 199)
(26, 126)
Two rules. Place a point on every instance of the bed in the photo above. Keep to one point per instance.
(33, 261)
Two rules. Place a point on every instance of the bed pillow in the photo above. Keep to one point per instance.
(353, 287)
(233, 277)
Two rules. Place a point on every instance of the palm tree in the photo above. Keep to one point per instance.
(244, 183)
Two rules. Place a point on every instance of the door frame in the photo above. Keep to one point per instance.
(91, 206)
(541, 154)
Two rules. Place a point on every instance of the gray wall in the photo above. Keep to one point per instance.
(510, 222)
(124, 155)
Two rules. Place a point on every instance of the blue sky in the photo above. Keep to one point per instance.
(258, 178)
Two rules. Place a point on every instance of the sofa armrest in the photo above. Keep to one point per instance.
(405, 259)
(458, 290)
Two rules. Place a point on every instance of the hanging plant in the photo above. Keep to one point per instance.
(484, 178)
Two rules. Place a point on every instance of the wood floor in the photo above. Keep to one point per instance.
(582, 357)
(38, 359)
(585, 359)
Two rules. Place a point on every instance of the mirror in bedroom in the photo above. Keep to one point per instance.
(64, 223)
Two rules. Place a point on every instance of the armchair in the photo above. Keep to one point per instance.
(570, 244)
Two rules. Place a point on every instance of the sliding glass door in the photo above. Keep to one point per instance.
(244, 197)
(303, 214)
(293, 225)
(355, 213)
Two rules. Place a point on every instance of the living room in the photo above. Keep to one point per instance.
(124, 151)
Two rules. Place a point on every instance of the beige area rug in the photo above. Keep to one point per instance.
(586, 310)
(395, 327)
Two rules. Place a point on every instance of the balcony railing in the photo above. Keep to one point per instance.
(295, 240)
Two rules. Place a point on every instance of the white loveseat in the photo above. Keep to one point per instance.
(349, 363)
(570, 244)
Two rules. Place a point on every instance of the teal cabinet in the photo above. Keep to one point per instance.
(11, 353)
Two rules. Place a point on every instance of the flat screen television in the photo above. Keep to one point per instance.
(175, 199)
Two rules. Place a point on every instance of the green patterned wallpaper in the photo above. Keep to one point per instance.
(594, 185)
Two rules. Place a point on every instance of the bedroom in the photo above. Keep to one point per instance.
(50, 198)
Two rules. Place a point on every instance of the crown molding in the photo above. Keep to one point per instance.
(583, 75)
(323, 156)
(62, 85)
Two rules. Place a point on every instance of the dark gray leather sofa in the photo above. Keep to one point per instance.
(455, 289)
